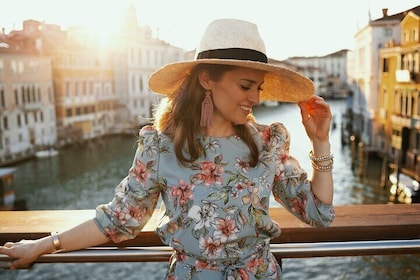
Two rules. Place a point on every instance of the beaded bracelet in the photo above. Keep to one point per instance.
(323, 168)
(330, 156)
(56, 242)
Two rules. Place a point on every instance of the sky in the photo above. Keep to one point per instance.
(288, 28)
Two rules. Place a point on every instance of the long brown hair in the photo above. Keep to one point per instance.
(178, 116)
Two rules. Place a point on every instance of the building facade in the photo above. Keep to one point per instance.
(329, 73)
(137, 54)
(365, 81)
(27, 112)
(399, 98)
(63, 87)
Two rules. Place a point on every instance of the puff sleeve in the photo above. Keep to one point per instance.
(291, 186)
(136, 196)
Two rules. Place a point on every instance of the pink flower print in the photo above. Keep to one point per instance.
(241, 186)
(129, 215)
(298, 204)
(225, 229)
(210, 173)
(243, 274)
(205, 265)
(135, 212)
(238, 188)
(201, 264)
(283, 157)
(254, 263)
(266, 135)
(113, 234)
(242, 165)
(210, 247)
(140, 171)
(183, 192)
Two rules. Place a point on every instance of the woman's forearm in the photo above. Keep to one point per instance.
(322, 181)
(82, 236)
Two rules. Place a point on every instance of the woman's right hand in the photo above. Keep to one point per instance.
(22, 253)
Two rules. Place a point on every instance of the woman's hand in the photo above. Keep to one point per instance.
(23, 253)
(316, 118)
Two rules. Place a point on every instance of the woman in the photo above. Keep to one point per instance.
(213, 166)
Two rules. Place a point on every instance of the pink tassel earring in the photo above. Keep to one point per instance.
(206, 110)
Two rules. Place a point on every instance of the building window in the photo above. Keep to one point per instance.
(5, 123)
(387, 32)
(16, 93)
(50, 95)
(2, 100)
(68, 112)
(385, 65)
(67, 89)
(76, 88)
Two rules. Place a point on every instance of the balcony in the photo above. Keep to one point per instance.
(400, 120)
(406, 76)
(380, 229)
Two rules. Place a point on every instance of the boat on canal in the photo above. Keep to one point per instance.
(404, 189)
(8, 200)
(50, 152)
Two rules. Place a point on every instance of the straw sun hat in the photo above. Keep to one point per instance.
(235, 42)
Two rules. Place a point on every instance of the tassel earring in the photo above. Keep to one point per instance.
(206, 110)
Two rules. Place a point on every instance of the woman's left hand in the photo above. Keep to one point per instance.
(316, 118)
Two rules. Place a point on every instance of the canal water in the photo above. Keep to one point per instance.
(81, 178)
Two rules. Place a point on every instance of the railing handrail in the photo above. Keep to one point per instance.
(377, 229)
(290, 250)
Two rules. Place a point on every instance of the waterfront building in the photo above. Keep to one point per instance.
(137, 54)
(82, 75)
(329, 73)
(27, 112)
(399, 99)
(365, 81)
(86, 100)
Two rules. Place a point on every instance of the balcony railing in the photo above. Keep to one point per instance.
(380, 229)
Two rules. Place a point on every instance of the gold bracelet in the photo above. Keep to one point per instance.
(323, 168)
(56, 242)
(330, 156)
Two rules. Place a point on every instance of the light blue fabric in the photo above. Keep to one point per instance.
(216, 209)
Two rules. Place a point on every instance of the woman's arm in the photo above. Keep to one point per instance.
(316, 118)
(26, 252)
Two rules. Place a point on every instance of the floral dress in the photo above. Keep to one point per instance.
(215, 214)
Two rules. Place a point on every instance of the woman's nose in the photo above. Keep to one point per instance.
(254, 97)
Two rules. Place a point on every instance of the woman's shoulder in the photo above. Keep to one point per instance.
(270, 134)
(148, 130)
(151, 134)
(273, 128)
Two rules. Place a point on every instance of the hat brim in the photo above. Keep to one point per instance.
(280, 84)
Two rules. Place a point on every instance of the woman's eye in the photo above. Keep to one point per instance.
(245, 87)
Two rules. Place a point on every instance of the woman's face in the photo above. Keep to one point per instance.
(234, 95)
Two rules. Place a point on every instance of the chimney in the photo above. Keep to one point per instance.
(385, 12)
